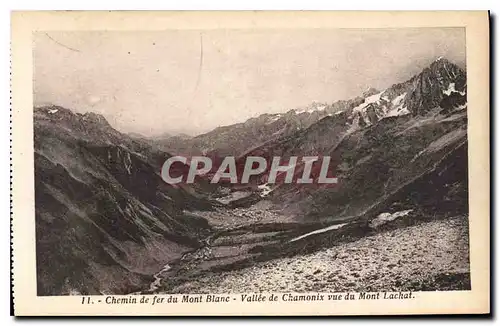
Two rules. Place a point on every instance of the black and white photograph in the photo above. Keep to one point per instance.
(388, 106)
(248, 165)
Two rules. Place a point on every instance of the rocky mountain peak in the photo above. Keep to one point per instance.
(99, 119)
(63, 115)
(433, 84)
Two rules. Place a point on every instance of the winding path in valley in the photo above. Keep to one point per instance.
(432, 255)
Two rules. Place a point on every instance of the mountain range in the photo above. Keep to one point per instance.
(392, 139)
(106, 221)
(421, 93)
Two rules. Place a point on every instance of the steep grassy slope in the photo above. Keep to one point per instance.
(105, 220)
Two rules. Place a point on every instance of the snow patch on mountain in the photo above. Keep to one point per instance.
(398, 107)
(398, 111)
(398, 99)
(312, 108)
(265, 189)
(331, 227)
(369, 100)
(451, 89)
(387, 217)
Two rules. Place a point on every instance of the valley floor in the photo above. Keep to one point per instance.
(427, 256)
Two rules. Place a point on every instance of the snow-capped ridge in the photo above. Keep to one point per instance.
(315, 106)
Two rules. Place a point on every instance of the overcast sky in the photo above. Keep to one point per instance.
(194, 81)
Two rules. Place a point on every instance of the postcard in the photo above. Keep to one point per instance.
(250, 163)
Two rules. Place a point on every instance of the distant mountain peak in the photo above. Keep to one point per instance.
(51, 109)
(95, 118)
(314, 106)
(370, 91)
(59, 113)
